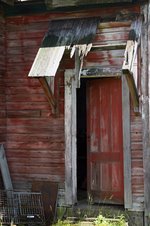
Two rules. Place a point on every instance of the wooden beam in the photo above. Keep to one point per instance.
(145, 51)
(97, 72)
(109, 47)
(49, 94)
(126, 144)
(70, 139)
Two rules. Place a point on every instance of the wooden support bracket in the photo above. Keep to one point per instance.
(132, 88)
(49, 94)
(127, 69)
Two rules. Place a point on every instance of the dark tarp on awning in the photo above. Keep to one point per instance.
(70, 32)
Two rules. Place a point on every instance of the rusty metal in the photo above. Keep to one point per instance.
(21, 208)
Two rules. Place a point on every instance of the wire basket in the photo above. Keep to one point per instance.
(21, 208)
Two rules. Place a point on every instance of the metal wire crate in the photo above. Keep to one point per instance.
(21, 208)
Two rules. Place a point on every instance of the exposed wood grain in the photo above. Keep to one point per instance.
(35, 136)
(2, 83)
(145, 49)
(32, 129)
(126, 144)
(70, 137)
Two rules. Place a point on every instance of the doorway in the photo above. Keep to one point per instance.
(81, 142)
(99, 140)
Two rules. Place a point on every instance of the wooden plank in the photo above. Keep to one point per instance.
(75, 84)
(68, 141)
(70, 138)
(46, 61)
(126, 144)
(5, 170)
(133, 89)
(145, 48)
(100, 72)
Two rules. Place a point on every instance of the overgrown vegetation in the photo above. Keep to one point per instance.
(102, 221)
(99, 221)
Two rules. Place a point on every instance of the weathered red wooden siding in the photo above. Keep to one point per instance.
(137, 160)
(2, 84)
(35, 137)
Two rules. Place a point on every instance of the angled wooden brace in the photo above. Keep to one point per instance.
(49, 94)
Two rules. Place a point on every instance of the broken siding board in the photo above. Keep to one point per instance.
(5, 169)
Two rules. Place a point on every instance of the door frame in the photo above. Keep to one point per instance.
(70, 140)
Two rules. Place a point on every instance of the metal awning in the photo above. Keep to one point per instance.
(62, 34)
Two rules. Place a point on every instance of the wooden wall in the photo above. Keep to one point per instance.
(35, 137)
(2, 84)
(137, 161)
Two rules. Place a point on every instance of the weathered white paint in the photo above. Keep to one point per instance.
(47, 61)
(70, 138)
(126, 144)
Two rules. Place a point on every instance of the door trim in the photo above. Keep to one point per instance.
(70, 141)
(126, 144)
(70, 138)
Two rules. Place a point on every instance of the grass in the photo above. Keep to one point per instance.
(98, 221)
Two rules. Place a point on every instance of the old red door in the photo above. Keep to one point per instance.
(104, 136)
